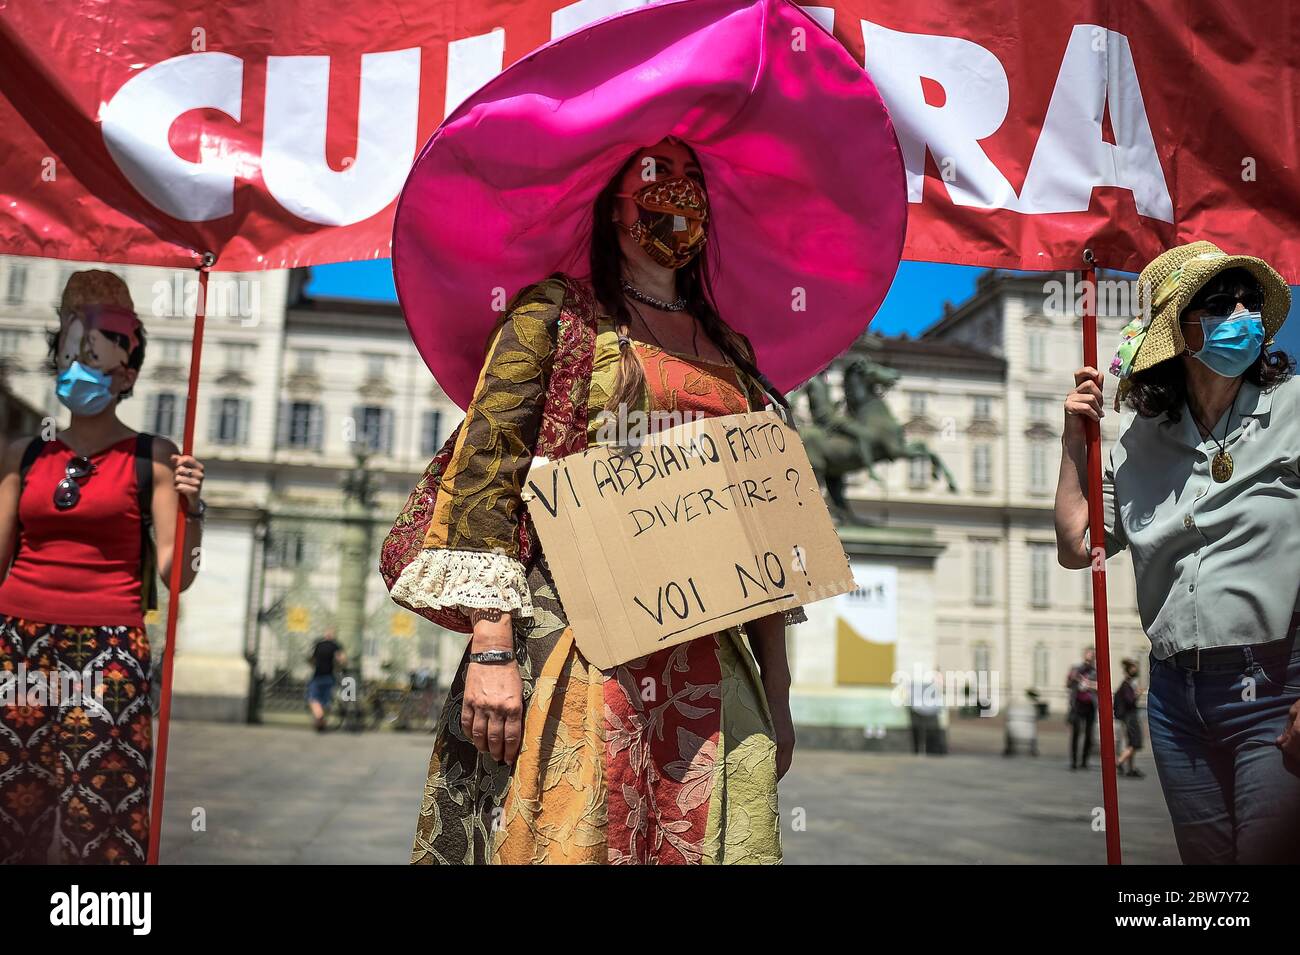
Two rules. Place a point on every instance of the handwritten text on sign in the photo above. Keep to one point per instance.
(700, 527)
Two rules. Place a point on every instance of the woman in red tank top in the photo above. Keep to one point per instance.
(76, 561)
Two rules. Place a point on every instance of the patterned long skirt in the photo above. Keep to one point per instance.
(669, 759)
(76, 741)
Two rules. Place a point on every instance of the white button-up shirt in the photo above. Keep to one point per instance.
(1217, 564)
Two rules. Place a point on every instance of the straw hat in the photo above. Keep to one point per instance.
(805, 178)
(1165, 288)
(95, 287)
(99, 300)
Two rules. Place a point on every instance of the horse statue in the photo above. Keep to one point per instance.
(865, 433)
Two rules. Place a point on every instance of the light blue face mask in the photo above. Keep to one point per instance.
(1232, 342)
(84, 391)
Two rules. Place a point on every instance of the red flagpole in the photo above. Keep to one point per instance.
(1097, 536)
(179, 556)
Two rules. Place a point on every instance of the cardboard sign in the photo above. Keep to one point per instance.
(701, 526)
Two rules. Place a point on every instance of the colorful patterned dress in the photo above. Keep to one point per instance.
(666, 759)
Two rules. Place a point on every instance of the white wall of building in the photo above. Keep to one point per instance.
(343, 357)
(988, 604)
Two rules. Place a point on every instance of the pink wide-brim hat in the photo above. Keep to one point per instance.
(804, 175)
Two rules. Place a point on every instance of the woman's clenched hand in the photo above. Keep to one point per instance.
(1082, 402)
(492, 715)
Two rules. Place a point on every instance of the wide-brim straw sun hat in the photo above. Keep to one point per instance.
(1169, 283)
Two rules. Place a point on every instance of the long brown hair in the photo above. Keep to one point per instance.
(1163, 387)
(693, 285)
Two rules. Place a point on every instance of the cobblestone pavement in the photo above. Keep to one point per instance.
(282, 794)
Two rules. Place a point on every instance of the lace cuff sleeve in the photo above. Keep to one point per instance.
(439, 577)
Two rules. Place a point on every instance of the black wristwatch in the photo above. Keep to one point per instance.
(199, 514)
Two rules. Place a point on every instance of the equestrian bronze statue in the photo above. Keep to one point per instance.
(862, 434)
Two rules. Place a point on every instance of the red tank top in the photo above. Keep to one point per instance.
(80, 566)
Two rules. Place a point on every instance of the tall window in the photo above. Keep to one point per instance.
(982, 466)
(983, 408)
(228, 424)
(164, 412)
(305, 360)
(982, 552)
(916, 403)
(431, 433)
(918, 472)
(304, 425)
(1037, 409)
(11, 343)
(1042, 665)
(1038, 466)
(239, 357)
(291, 548)
(16, 287)
(1040, 569)
(172, 350)
(1037, 343)
(374, 428)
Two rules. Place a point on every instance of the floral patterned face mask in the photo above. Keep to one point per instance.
(671, 220)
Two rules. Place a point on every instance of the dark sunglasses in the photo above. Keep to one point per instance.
(1223, 302)
(68, 492)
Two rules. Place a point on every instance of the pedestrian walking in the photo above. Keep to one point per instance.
(326, 658)
(1082, 687)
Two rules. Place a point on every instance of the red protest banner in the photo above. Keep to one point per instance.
(280, 135)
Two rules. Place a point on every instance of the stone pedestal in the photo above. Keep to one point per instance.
(855, 659)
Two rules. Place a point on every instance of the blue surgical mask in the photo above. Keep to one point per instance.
(84, 391)
(1232, 342)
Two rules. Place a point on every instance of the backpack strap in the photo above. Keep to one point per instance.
(144, 501)
(30, 454)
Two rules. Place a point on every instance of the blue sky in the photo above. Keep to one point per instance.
(914, 302)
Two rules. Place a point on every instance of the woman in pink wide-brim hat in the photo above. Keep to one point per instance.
(693, 207)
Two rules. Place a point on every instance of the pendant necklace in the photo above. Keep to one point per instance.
(1221, 463)
(677, 305)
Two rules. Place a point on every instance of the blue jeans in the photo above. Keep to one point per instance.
(1233, 795)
